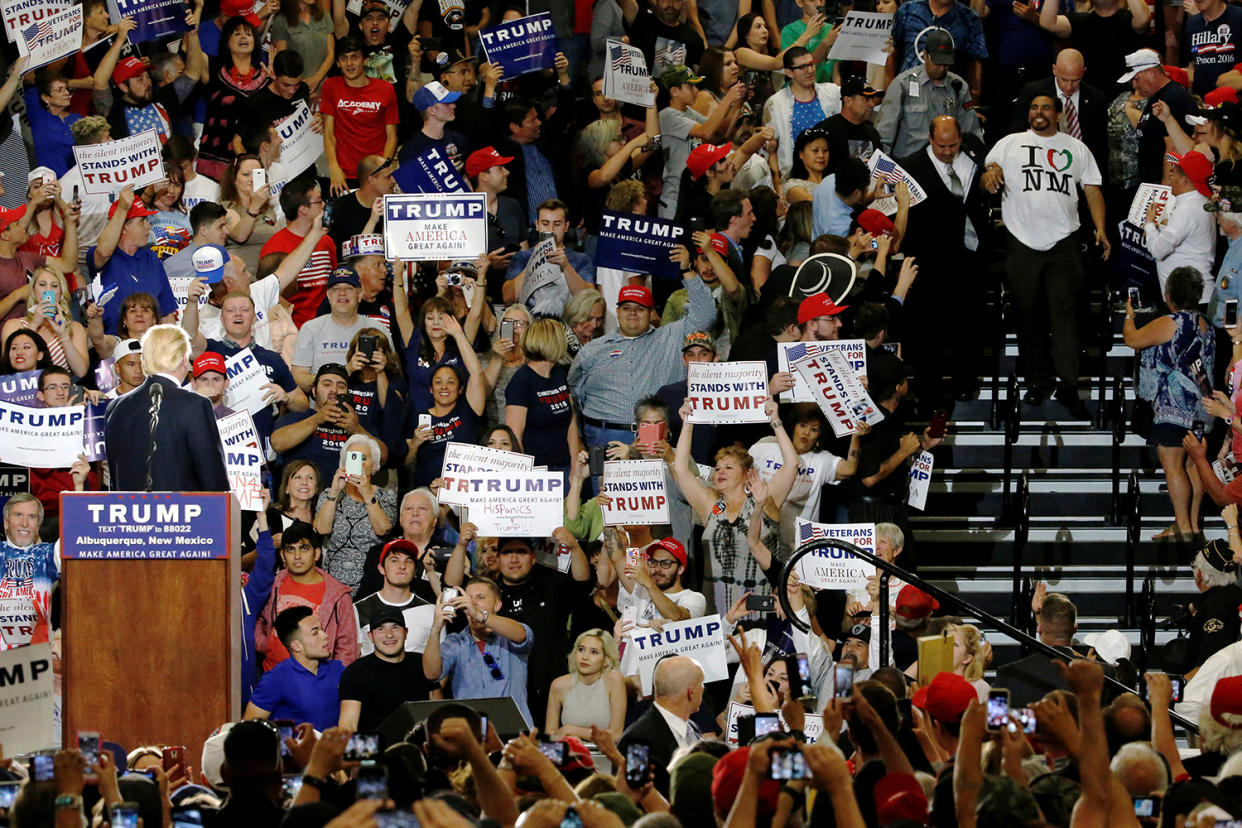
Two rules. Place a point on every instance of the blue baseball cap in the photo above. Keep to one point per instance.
(209, 261)
(431, 94)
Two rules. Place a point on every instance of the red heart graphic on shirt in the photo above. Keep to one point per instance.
(1069, 159)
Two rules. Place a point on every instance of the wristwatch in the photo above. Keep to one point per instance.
(68, 802)
(486, 615)
(317, 782)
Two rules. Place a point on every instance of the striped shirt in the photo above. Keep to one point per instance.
(612, 373)
(313, 277)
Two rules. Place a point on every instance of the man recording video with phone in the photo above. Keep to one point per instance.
(326, 339)
(651, 588)
(318, 435)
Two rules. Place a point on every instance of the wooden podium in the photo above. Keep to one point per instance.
(151, 618)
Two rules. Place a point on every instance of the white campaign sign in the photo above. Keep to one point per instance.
(243, 459)
(1147, 195)
(246, 381)
(21, 14)
(813, 726)
(52, 38)
(838, 392)
(727, 392)
(863, 36)
(702, 639)
(787, 352)
(463, 458)
(638, 492)
(27, 699)
(300, 145)
(41, 438)
(515, 504)
(626, 77)
(181, 292)
(109, 167)
(920, 480)
(891, 173)
(834, 568)
(433, 226)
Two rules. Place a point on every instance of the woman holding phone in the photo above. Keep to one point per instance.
(506, 357)
(353, 514)
(48, 316)
(376, 387)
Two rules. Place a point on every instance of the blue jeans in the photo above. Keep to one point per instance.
(596, 436)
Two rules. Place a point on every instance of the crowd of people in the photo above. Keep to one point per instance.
(822, 200)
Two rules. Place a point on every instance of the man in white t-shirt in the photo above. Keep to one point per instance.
(651, 585)
(1040, 171)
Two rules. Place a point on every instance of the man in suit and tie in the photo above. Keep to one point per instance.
(1084, 109)
(955, 208)
(161, 437)
(677, 687)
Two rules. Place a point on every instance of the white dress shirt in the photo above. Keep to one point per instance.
(1189, 239)
(681, 728)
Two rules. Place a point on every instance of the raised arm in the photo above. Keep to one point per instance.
(699, 496)
(782, 481)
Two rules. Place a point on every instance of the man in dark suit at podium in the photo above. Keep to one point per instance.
(161, 437)
(949, 170)
(677, 686)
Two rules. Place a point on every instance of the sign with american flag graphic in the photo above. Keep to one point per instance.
(838, 391)
(890, 174)
(626, 77)
(787, 353)
(20, 14)
(51, 38)
(832, 568)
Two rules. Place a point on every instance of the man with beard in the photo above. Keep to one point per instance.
(651, 584)
(543, 598)
(135, 111)
(378, 683)
(1039, 172)
(399, 564)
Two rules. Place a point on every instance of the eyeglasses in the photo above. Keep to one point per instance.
(663, 563)
(313, 203)
(799, 66)
(491, 664)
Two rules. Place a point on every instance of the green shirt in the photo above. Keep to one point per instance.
(823, 73)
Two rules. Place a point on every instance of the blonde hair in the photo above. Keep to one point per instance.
(970, 638)
(62, 304)
(545, 340)
(595, 140)
(612, 656)
(165, 349)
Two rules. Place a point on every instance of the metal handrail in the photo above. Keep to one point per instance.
(946, 599)
(994, 421)
(1134, 520)
(1147, 623)
(1021, 533)
(1013, 421)
(1117, 413)
(1105, 343)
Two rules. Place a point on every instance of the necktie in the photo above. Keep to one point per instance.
(955, 183)
(1072, 127)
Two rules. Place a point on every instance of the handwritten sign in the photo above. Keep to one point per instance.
(434, 226)
(833, 568)
(243, 459)
(727, 392)
(514, 504)
(702, 639)
(637, 489)
(463, 459)
(109, 167)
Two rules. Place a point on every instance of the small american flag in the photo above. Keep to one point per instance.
(621, 55)
(39, 31)
(809, 531)
(886, 168)
(796, 353)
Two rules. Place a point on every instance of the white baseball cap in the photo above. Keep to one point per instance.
(1110, 645)
(209, 261)
(1138, 61)
(39, 173)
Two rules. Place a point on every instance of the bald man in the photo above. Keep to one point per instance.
(677, 687)
(1084, 108)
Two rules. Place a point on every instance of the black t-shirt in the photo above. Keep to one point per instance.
(1215, 622)
(1152, 132)
(875, 448)
(449, 19)
(848, 140)
(662, 45)
(548, 413)
(1104, 43)
(383, 686)
(265, 106)
(349, 216)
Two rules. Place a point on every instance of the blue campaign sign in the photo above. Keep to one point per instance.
(144, 525)
(639, 244)
(156, 19)
(527, 44)
(431, 172)
(13, 480)
(93, 432)
(21, 388)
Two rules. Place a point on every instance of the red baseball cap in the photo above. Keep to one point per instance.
(136, 210)
(673, 547)
(817, 305)
(8, 216)
(899, 796)
(209, 361)
(946, 698)
(637, 294)
(401, 545)
(484, 159)
(1220, 95)
(240, 8)
(128, 69)
(1197, 168)
(727, 776)
(913, 602)
(1227, 698)
(704, 155)
(876, 223)
(1178, 75)
(719, 243)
